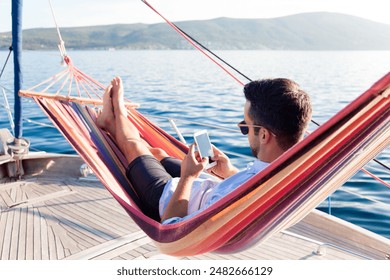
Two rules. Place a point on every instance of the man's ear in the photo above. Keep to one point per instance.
(265, 135)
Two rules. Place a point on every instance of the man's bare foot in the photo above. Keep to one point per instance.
(106, 118)
(118, 97)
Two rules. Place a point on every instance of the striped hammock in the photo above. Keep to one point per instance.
(274, 199)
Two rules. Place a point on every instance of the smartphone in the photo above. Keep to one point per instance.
(204, 147)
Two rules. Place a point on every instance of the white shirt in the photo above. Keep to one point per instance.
(207, 189)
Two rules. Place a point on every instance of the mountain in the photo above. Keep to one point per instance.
(308, 31)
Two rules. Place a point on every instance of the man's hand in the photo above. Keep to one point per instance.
(192, 165)
(224, 167)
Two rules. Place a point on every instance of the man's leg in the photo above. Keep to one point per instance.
(126, 134)
(145, 173)
(128, 138)
(171, 165)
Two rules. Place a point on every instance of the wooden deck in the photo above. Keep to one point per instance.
(52, 214)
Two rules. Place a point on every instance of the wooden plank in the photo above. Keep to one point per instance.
(7, 198)
(17, 223)
(106, 206)
(102, 248)
(295, 248)
(30, 234)
(64, 244)
(3, 223)
(273, 253)
(80, 224)
(130, 255)
(71, 235)
(7, 236)
(103, 197)
(128, 247)
(3, 205)
(344, 235)
(13, 194)
(40, 199)
(44, 239)
(60, 227)
(2, 229)
(82, 243)
(96, 216)
(68, 252)
(60, 250)
(252, 254)
(66, 210)
(22, 234)
(37, 235)
(14, 246)
(51, 244)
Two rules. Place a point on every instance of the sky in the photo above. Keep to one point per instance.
(68, 13)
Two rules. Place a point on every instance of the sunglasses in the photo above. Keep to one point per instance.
(244, 127)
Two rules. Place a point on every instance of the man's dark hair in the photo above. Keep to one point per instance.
(281, 106)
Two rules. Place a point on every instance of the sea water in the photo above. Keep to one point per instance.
(195, 92)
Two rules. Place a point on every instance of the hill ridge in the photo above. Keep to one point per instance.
(306, 31)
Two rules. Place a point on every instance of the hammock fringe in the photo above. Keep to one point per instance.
(79, 100)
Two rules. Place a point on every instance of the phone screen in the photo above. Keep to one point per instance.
(203, 143)
(205, 149)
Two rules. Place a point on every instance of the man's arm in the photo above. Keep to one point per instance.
(178, 205)
(190, 170)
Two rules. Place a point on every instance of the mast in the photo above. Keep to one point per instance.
(18, 76)
(18, 146)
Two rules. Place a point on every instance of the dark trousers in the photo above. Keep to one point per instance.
(148, 177)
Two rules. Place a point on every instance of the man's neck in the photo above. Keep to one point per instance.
(270, 155)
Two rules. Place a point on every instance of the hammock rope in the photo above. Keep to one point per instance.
(61, 45)
(193, 43)
(75, 86)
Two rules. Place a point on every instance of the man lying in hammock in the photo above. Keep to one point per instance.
(276, 115)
